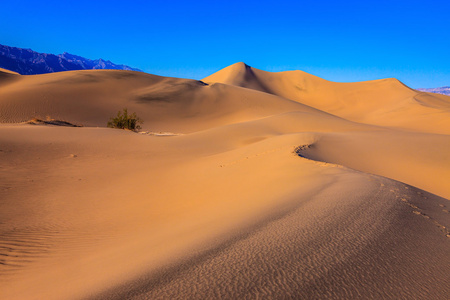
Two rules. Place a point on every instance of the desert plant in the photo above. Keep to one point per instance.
(125, 121)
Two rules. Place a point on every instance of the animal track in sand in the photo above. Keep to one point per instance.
(417, 211)
(404, 198)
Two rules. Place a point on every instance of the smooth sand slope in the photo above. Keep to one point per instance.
(259, 196)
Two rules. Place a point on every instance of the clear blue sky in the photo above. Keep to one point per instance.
(336, 40)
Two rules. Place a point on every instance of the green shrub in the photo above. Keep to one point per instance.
(125, 121)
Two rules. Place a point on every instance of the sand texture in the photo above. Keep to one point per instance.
(244, 185)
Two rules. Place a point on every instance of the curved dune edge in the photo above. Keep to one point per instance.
(379, 152)
(225, 208)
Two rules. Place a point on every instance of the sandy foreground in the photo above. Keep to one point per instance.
(247, 184)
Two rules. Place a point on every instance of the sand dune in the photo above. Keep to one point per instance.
(91, 97)
(264, 192)
(385, 102)
(5, 71)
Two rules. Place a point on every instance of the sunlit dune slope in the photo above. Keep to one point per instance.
(386, 102)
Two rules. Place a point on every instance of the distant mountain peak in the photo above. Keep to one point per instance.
(29, 62)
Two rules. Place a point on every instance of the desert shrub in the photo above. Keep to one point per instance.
(123, 120)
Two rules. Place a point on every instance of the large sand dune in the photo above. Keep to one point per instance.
(277, 185)
(386, 102)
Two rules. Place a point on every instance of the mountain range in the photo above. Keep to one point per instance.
(29, 62)
(445, 90)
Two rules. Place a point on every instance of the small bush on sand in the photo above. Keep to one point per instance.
(125, 121)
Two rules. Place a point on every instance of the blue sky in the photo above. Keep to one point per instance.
(336, 40)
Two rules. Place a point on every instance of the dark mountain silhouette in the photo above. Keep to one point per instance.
(29, 62)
